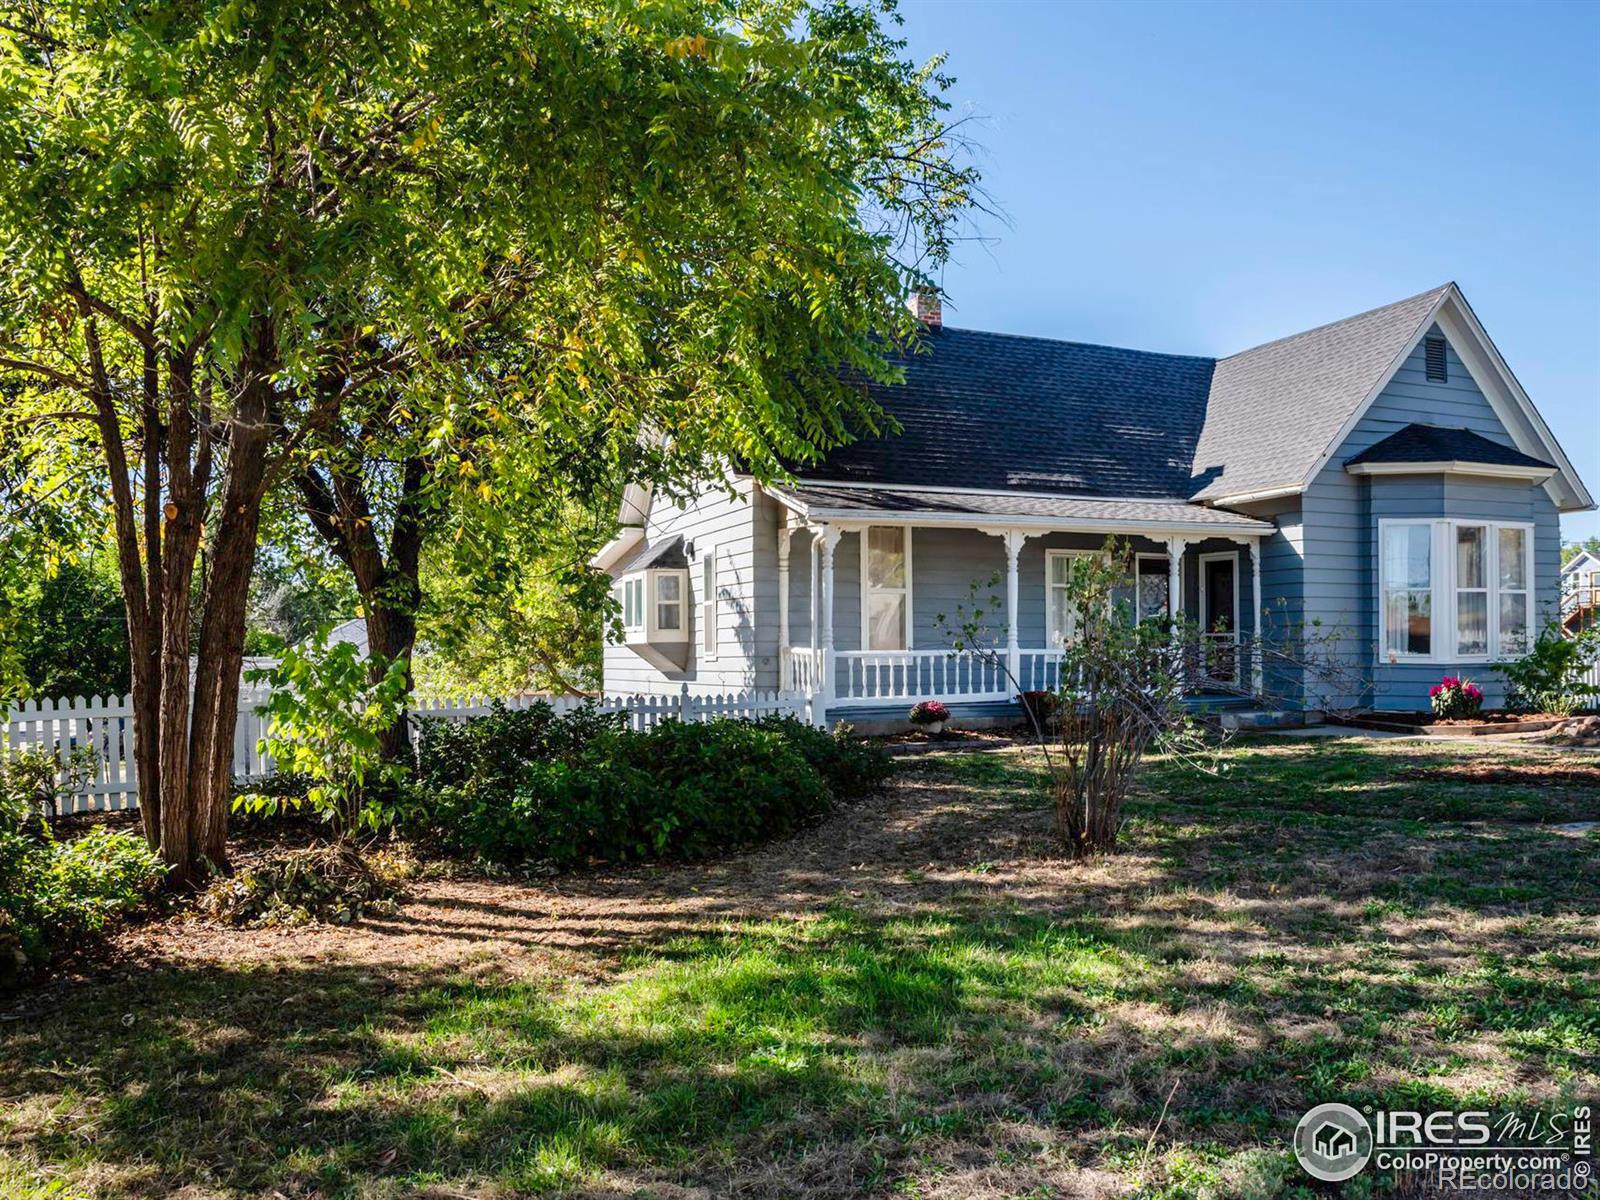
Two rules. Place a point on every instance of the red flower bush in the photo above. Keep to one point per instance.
(1454, 698)
(929, 712)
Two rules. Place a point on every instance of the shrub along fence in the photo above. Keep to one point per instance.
(106, 726)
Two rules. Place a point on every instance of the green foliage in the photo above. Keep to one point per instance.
(73, 635)
(527, 785)
(852, 768)
(327, 710)
(55, 896)
(1550, 677)
(33, 779)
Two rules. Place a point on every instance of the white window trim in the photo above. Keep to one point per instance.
(1166, 578)
(1442, 577)
(633, 598)
(710, 622)
(1233, 557)
(1053, 637)
(867, 591)
(654, 600)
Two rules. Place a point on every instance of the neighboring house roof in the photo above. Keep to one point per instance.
(353, 631)
(1584, 560)
(1433, 443)
(996, 412)
(667, 554)
(1276, 409)
(930, 505)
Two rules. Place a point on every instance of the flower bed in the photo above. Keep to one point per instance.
(1485, 724)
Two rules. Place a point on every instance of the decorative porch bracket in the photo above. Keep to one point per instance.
(1176, 545)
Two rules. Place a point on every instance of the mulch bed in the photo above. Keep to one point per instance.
(1486, 724)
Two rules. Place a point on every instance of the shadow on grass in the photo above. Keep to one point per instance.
(1243, 959)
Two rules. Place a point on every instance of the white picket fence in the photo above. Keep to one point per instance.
(106, 726)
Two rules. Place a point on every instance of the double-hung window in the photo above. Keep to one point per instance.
(886, 588)
(1062, 618)
(1453, 590)
(669, 602)
(633, 602)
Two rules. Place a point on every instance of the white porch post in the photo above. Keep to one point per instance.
(816, 632)
(830, 542)
(1013, 542)
(784, 533)
(1258, 658)
(1175, 547)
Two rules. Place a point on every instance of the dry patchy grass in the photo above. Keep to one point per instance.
(916, 999)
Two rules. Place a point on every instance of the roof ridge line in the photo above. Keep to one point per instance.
(1052, 341)
(1289, 337)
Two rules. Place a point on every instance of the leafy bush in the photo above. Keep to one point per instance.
(55, 896)
(33, 779)
(1455, 699)
(498, 744)
(528, 785)
(852, 768)
(328, 710)
(928, 712)
(1550, 677)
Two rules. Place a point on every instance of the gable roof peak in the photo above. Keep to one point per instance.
(1433, 295)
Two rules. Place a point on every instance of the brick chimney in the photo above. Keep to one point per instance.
(924, 305)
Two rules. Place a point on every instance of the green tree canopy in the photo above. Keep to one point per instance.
(245, 241)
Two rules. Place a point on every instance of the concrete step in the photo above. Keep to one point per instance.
(1235, 722)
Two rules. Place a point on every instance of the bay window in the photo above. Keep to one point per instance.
(886, 590)
(1454, 589)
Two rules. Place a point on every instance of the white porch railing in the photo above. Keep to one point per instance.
(873, 676)
(801, 670)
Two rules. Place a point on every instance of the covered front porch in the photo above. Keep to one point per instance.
(877, 587)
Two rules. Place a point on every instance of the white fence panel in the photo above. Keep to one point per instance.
(106, 726)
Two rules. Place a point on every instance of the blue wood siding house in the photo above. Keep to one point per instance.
(1382, 482)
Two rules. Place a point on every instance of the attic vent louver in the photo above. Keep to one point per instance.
(1433, 352)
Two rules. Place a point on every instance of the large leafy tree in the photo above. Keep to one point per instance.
(242, 244)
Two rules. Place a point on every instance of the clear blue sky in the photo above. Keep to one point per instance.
(1201, 177)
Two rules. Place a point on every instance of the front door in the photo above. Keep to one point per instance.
(1219, 617)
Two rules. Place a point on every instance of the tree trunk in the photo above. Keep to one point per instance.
(208, 795)
(389, 585)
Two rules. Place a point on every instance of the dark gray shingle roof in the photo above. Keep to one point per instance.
(820, 498)
(668, 554)
(989, 410)
(1432, 443)
(1276, 409)
(998, 412)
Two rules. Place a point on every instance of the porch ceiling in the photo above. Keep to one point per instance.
(936, 506)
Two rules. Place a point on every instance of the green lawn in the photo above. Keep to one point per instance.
(914, 1000)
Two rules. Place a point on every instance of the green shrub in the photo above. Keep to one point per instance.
(497, 745)
(852, 768)
(1549, 678)
(529, 785)
(55, 896)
